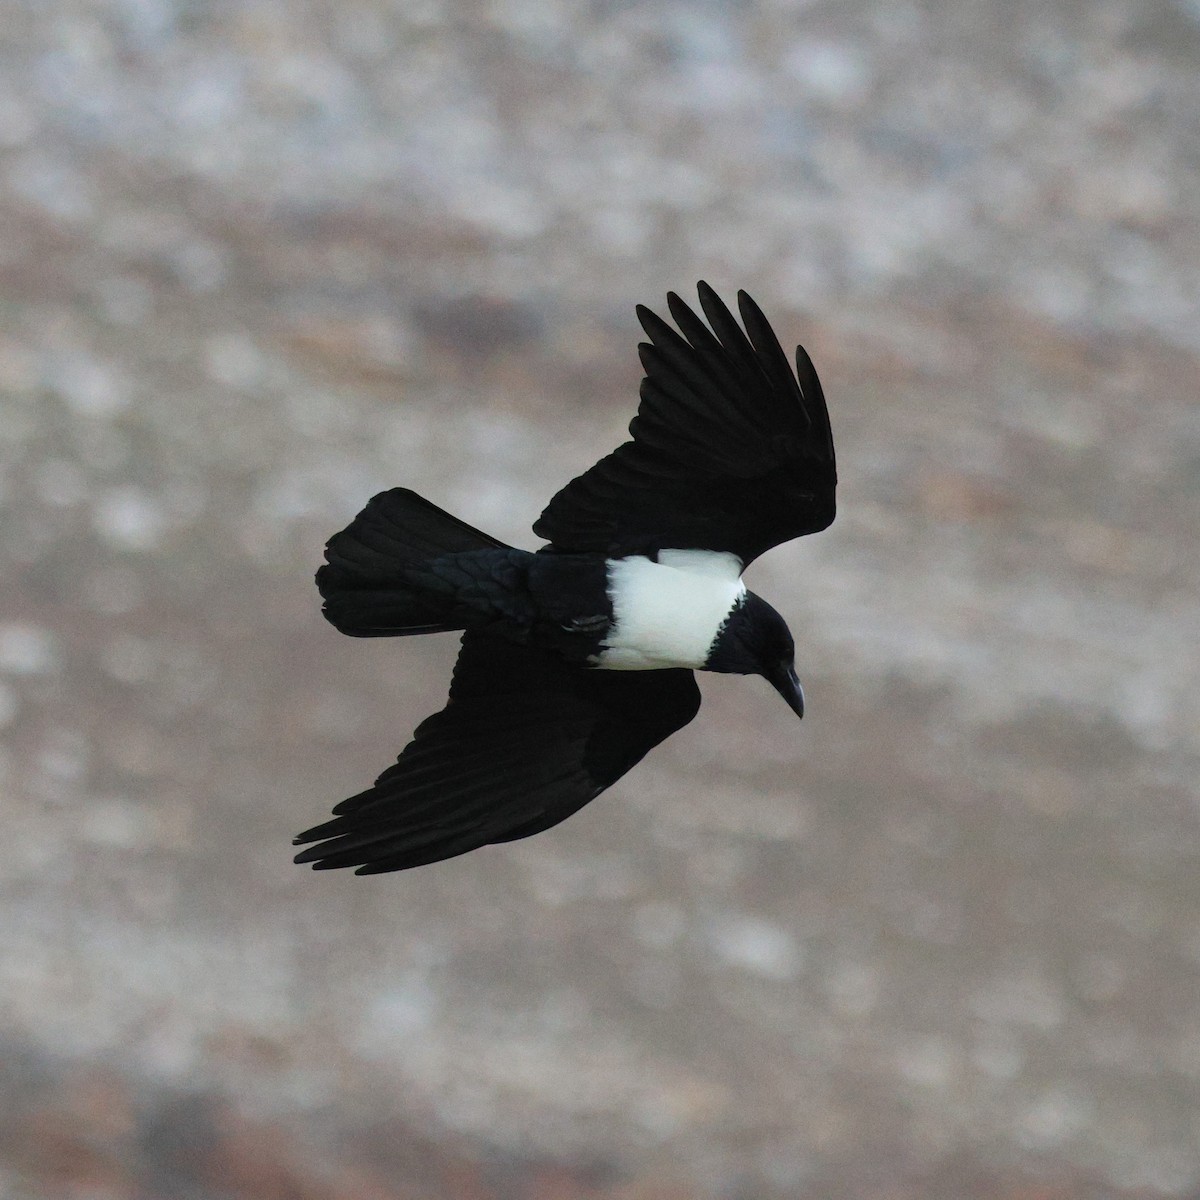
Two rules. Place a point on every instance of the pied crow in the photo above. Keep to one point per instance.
(578, 658)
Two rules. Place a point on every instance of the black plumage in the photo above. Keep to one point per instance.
(524, 741)
(729, 450)
(730, 454)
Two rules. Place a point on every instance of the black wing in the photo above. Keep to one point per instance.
(730, 451)
(524, 741)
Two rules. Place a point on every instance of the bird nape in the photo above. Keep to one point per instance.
(579, 658)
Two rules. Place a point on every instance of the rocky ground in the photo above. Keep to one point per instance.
(261, 260)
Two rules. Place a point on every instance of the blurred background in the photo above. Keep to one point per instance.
(262, 259)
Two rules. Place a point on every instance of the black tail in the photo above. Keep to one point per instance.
(363, 581)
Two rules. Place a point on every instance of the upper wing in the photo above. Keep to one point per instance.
(730, 450)
(524, 741)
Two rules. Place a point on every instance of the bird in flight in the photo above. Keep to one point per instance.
(578, 659)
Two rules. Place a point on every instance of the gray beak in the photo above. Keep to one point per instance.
(783, 680)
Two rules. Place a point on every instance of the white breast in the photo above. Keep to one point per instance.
(667, 613)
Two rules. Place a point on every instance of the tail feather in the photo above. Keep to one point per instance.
(363, 581)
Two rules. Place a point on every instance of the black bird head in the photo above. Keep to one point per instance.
(755, 640)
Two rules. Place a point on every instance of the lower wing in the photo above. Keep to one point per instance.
(524, 741)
